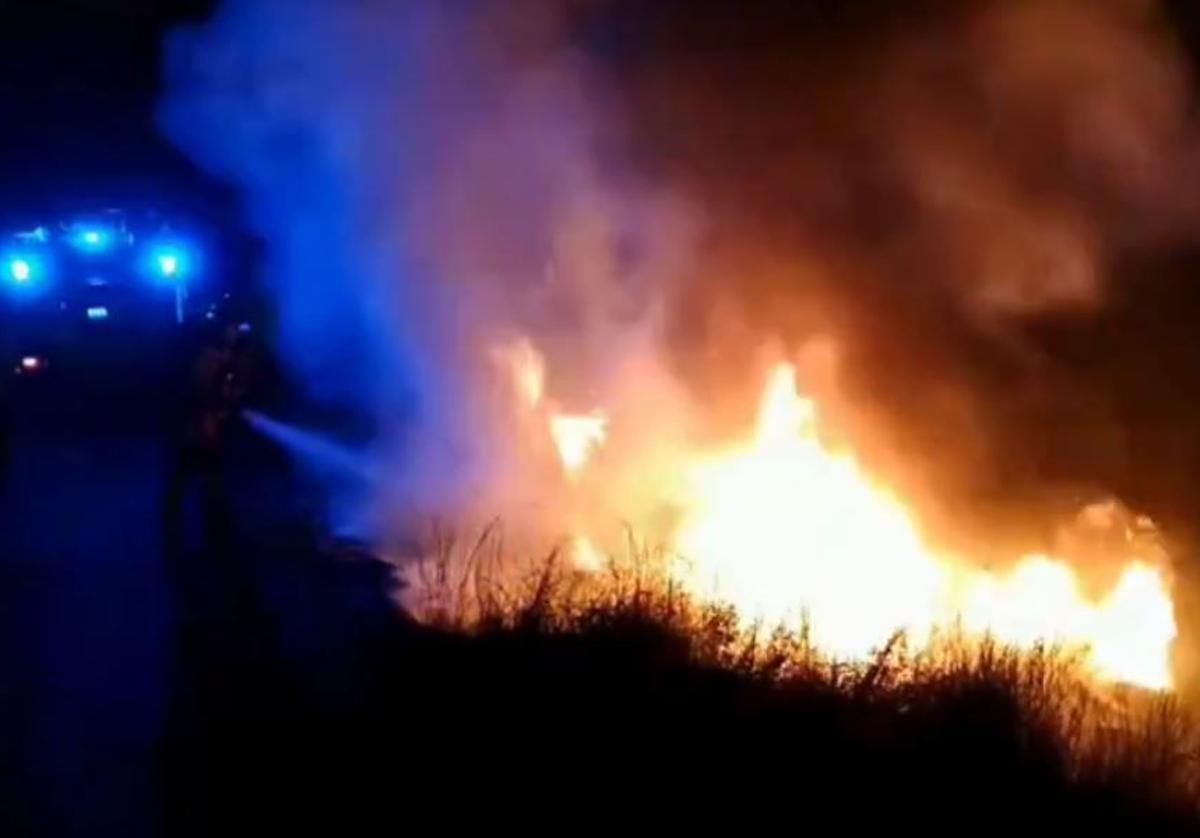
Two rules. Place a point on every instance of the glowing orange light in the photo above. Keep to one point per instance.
(787, 531)
(526, 368)
(577, 437)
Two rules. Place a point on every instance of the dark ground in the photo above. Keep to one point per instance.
(120, 641)
(85, 629)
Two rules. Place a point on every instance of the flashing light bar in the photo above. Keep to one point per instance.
(20, 270)
(168, 264)
(23, 268)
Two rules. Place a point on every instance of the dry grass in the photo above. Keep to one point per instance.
(1037, 706)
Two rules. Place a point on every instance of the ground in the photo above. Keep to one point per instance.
(105, 639)
(85, 630)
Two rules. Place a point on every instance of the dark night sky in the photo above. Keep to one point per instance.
(78, 80)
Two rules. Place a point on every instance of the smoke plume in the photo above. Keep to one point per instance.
(970, 222)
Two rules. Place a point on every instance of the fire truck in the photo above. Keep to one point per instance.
(98, 309)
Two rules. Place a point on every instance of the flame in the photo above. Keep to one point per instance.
(586, 556)
(526, 368)
(1127, 635)
(790, 532)
(577, 437)
(786, 531)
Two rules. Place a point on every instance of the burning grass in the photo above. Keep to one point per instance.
(786, 523)
(629, 652)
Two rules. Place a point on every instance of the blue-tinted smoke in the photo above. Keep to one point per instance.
(422, 173)
(314, 110)
(257, 96)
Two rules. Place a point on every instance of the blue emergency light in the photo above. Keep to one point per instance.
(92, 239)
(173, 261)
(22, 269)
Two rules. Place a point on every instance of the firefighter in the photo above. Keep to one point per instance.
(216, 382)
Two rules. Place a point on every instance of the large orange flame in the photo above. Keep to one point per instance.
(785, 530)
(790, 532)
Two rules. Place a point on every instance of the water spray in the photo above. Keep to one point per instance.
(319, 452)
